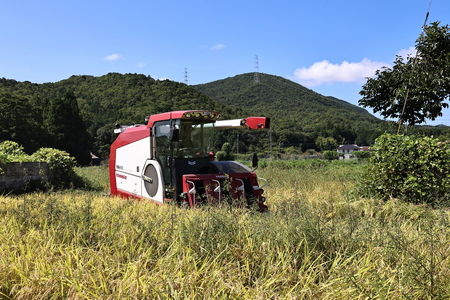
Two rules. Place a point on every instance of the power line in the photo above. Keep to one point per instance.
(412, 70)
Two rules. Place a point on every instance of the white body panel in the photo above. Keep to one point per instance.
(225, 124)
(130, 161)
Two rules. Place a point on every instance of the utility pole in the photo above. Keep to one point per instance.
(185, 76)
(256, 73)
(270, 135)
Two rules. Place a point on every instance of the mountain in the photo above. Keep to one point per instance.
(298, 115)
(282, 99)
(102, 102)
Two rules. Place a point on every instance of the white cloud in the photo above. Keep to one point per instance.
(113, 57)
(141, 64)
(218, 47)
(325, 72)
(404, 52)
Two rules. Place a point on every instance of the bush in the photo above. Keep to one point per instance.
(225, 153)
(57, 160)
(330, 155)
(409, 168)
(362, 154)
(11, 148)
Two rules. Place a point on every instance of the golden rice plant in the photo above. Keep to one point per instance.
(320, 240)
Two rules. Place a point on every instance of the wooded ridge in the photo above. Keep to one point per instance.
(78, 114)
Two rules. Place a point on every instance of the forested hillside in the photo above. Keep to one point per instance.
(78, 114)
(102, 102)
(299, 115)
(282, 99)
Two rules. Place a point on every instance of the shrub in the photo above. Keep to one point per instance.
(362, 154)
(11, 148)
(330, 155)
(58, 160)
(55, 158)
(409, 168)
(225, 152)
(61, 162)
(11, 151)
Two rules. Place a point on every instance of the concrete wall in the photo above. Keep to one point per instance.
(24, 176)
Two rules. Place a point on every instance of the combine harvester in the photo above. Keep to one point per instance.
(169, 160)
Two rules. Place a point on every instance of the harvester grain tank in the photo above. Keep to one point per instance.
(169, 160)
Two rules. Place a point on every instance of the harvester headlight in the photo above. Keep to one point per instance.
(197, 115)
(188, 115)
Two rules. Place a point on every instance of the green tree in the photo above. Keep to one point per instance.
(67, 129)
(326, 143)
(225, 153)
(414, 90)
(362, 154)
(19, 122)
(330, 155)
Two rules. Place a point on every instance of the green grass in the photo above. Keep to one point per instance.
(319, 241)
(94, 178)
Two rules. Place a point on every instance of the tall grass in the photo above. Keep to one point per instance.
(319, 241)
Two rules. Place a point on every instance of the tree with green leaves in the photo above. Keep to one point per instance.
(20, 122)
(67, 129)
(225, 153)
(415, 89)
(326, 143)
(330, 155)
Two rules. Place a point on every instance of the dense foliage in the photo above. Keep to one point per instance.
(412, 169)
(21, 121)
(101, 102)
(299, 115)
(66, 128)
(58, 160)
(78, 114)
(415, 88)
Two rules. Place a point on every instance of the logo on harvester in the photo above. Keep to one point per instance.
(121, 176)
(191, 163)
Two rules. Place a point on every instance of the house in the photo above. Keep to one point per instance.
(347, 151)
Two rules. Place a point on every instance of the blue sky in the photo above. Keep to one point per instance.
(328, 46)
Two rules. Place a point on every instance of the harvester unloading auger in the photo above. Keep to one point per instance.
(169, 160)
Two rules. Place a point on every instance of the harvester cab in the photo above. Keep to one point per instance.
(170, 159)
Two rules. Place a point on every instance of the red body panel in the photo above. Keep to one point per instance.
(257, 122)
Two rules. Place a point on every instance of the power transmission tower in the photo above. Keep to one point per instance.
(185, 76)
(256, 74)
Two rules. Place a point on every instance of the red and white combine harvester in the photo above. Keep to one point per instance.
(170, 159)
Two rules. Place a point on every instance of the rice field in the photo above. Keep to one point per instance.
(321, 240)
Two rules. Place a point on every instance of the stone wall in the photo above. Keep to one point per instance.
(25, 176)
